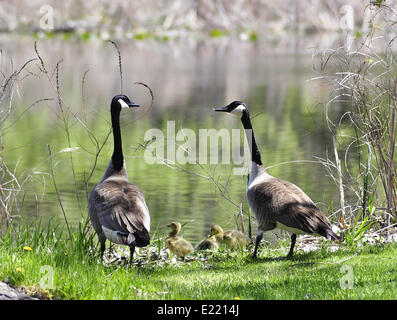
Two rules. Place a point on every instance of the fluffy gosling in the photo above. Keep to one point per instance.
(207, 244)
(177, 245)
(233, 239)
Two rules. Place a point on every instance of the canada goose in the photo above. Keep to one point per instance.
(117, 208)
(177, 245)
(233, 239)
(275, 202)
(208, 243)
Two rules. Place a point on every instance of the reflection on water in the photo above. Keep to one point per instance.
(188, 79)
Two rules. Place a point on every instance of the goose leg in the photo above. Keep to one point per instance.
(291, 249)
(103, 247)
(257, 241)
(132, 250)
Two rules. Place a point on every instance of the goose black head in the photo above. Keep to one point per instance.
(236, 107)
(122, 101)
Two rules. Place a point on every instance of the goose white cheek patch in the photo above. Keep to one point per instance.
(238, 110)
(122, 103)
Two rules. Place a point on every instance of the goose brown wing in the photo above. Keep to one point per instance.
(304, 216)
(302, 212)
(286, 203)
(121, 207)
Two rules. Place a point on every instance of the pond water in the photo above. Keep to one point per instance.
(188, 78)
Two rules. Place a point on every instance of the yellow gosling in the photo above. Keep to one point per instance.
(233, 239)
(207, 244)
(177, 245)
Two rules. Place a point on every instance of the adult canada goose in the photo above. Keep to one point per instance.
(177, 245)
(233, 239)
(208, 243)
(117, 208)
(277, 203)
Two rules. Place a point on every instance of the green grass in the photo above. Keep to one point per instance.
(222, 275)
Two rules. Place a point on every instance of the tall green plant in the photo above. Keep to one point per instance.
(356, 233)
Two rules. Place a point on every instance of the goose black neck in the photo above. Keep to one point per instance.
(117, 157)
(255, 154)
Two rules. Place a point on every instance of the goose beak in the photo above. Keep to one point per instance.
(133, 104)
(223, 109)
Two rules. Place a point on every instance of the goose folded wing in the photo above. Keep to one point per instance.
(286, 203)
(270, 197)
(300, 211)
(122, 208)
(302, 216)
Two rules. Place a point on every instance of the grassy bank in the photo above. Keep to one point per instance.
(366, 272)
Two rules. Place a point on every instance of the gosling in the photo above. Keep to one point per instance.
(177, 245)
(207, 244)
(233, 239)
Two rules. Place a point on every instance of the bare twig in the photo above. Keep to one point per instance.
(120, 64)
(340, 180)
